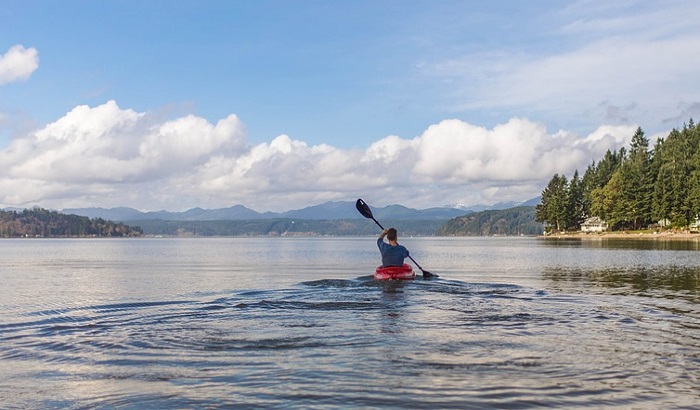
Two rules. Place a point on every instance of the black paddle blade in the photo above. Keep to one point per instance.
(428, 275)
(363, 208)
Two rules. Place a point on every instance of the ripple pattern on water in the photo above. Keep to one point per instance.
(300, 323)
(358, 343)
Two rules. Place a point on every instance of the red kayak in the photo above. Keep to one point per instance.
(394, 272)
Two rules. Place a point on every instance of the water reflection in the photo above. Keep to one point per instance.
(661, 243)
(278, 323)
(678, 281)
(393, 304)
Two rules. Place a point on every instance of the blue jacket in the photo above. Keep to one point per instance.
(392, 255)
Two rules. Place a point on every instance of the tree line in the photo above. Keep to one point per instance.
(631, 189)
(39, 222)
(288, 227)
(514, 221)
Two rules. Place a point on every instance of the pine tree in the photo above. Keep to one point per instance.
(694, 168)
(553, 208)
(608, 203)
(632, 189)
(577, 211)
(587, 186)
(671, 188)
(658, 211)
(637, 189)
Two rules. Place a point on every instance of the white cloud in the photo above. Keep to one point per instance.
(108, 144)
(109, 156)
(593, 59)
(18, 63)
(609, 69)
(515, 153)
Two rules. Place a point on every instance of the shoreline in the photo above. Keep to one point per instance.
(666, 235)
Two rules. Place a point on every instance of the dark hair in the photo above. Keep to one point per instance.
(391, 234)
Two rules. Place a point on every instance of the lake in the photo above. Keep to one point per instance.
(301, 323)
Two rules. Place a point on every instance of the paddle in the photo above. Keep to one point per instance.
(363, 208)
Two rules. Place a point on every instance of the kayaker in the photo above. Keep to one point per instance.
(393, 254)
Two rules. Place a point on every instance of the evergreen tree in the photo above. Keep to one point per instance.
(44, 223)
(588, 184)
(636, 183)
(608, 204)
(658, 213)
(694, 167)
(671, 189)
(632, 189)
(604, 198)
(607, 167)
(577, 212)
(554, 207)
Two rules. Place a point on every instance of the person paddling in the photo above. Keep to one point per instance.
(393, 254)
(363, 208)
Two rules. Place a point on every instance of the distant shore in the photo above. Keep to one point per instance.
(663, 235)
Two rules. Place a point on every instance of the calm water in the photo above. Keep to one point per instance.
(293, 322)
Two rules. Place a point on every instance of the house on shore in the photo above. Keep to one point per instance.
(594, 224)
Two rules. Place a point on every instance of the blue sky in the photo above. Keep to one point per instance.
(416, 102)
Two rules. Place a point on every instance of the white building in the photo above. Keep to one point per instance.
(594, 224)
(695, 225)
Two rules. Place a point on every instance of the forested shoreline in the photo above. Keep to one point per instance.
(504, 222)
(39, 222)
(636, 189)
(287, 227)
(42, 223)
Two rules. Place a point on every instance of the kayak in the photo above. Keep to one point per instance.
(394, 272)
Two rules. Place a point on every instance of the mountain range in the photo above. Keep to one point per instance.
(326, 211)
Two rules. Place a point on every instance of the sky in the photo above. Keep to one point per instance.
(282, 104)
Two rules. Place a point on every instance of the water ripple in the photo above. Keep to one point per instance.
(359, 343)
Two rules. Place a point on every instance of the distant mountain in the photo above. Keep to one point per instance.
(112, 214)
(532, 202)
(328, 210)
(335, 218)
(194, 214)
(474, 208)
(232, 213)
(325, 211)
(346, 210)
(402, 212)
(500, 205)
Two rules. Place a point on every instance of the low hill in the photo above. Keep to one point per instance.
(288, 227)
(43, 223)
(513, 221)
